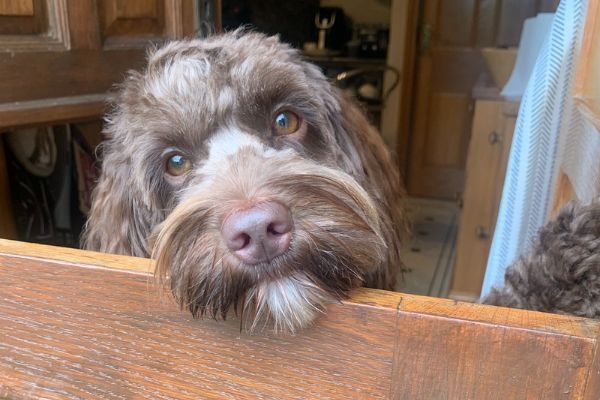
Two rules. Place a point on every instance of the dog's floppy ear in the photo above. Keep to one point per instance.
(368, 155)
(117, 222)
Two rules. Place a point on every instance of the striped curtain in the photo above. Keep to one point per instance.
(546, 115)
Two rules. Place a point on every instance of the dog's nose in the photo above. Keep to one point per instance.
(260, 233)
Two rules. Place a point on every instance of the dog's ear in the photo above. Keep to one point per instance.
(118, 223)
(369, 157)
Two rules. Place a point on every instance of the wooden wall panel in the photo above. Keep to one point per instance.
(84, 27)
(25, 75)
(132, 23)
(123, 22)
(17, 7)
(34, 25)
(25, 17)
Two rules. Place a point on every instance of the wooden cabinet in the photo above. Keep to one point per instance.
(493, 126)
(59, 58)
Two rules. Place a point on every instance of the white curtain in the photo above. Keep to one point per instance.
(546, 126)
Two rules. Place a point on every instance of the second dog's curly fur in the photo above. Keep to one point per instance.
(561, 274)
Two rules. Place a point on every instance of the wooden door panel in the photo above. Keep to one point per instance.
(25, 76)
(447, 70)
(130, 23)
(448, 66)
(23, 17)
(443, 148)
(131, 18)
(59, 58)
(32, 69)
(454, 29)
(442, 122)
(35, 25)
(16, 7)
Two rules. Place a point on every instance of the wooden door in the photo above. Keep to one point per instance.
(448, 67)
(59, 58)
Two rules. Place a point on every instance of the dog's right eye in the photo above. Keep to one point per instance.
(286, 122)
(178, 165)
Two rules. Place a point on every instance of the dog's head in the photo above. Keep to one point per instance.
(253, 182)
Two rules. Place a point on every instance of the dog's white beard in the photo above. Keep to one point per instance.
(289, 302)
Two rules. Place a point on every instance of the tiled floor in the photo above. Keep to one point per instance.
(429, 254)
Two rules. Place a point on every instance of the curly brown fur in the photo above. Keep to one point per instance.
(214, 101)
(562, 272)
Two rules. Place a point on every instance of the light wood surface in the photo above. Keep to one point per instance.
(76, 324)
(493, 126)
(586, 85)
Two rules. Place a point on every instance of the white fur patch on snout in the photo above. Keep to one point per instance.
(222, 148)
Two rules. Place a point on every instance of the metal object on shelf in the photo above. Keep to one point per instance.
(373, 75)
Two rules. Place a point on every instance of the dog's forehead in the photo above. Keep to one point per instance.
(203, 81)
(227, 59)
(190, 88)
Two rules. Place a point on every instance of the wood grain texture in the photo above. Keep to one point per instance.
(52, 111)
(25, 76)
(104, 334)
(84, 27)
(493, 126)
(16, 7)
(495, 355)
(563, 193)
(19, 17)
(75, 324)
(586, 86)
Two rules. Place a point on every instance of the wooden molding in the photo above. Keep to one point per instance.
(57, 37)
(143, 22)
(173, 19)
(51, 111)
(83, 25)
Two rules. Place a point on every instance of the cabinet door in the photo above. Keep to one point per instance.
(493, 125)
(58, 59)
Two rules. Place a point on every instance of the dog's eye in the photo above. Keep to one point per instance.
(178, 165)
(286, 122)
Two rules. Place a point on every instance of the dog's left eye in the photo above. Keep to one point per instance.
(286, 122)
(178, 165)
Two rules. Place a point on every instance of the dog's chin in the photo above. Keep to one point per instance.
(335, 244)
(287, 303)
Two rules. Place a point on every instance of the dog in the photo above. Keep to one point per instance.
(254, 183)
(561, 273)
